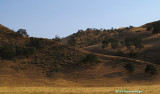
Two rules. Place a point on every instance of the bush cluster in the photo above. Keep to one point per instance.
(134, 54)
(9, 51)
(114, 43)
(156, 28)
(151, 69)
(120, 53)
(57, 39)
(22, 32)
(137, 42)
(90, 36)
(37, 43)
(91, 59)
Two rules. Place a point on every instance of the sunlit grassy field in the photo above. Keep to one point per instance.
(150, 89)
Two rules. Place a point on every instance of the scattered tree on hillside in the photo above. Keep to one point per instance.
(122, 42)
(72, 41)
(134, 54)
(79, 31)
(7, 51)
(105, 43)
(22, 32)
(112, 29)
(113, 41)
(28, 51)
(24, 51)
(156, 28)
(131, 26)
(92, 42)
(91, 59)
(57, 38)
(120, 53)
(151, 69)
(137, 42)
(149, 28)
(90, 36)
(19, 51)
(115, 45)
(128, 42)
(37, 43)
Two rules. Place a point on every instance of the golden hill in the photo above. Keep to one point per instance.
(45, 62)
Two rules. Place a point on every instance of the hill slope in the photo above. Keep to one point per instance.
(47, 54)
(88, 37)
(148, 33)
(45, 62)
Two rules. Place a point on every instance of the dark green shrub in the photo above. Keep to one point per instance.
(91, 58)
(128, 42)
(134, 54)
(149, 28)
(57, 39)
(114, 45)
(122, 42)
(37, 43)
(131, 26)
(137, 42)
(28, 51)
(120, 53)
(22, 32)
(7, 51)
(113, 40)
(103, 46)
(93, 42)
(130, 67)
(156, 28)
(19, 50)
(107, 41)
(151, 69)
(139, 46)
(72, 41)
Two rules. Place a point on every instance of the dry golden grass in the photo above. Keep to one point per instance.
(150, 89)
(152, 36)
(19, 77)
(137, 29)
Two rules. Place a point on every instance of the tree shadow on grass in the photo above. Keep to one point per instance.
(138, 77)
(114, 74)
(72, 68)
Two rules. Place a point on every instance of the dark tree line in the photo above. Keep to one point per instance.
(9, 51)
(137, 42)
(113, 41)
(154, 27)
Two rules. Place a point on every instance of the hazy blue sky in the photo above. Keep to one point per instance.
(46, 18)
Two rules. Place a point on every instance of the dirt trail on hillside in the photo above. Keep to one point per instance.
(114, 57)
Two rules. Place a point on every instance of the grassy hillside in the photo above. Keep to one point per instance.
(88, 37)
(46, 53)
(146, 45)
(146, 89)
(92, 36)
(29, 61)
(9, 36)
